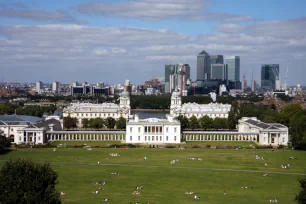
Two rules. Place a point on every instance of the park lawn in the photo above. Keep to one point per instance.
(90, 143)
(165, 183)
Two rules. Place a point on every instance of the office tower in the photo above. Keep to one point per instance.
(244, 84)
(216, 59)
(269, 76)
(39, 85)
(56, 87)
(175, 70)
(233, 68)
(253, 86)
(75, 83)
(218, 71)
(203, 66)
(178, 78)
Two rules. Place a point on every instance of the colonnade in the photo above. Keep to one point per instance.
(86, 136)
(219, 137)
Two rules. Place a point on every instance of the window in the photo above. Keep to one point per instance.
(138, 138)
(82, 114)
(174, 138)
(77, 114)
(131, 129)
(86, 114)
(145, 138)
(108, 114)
(38, 138)
(146, 129)
(12, 129)
(95, 114)
(104, 114)
(34, 133)
(149, 129)
(167, 129)
(166, 138)
(90, 115)
(160, 129)
(283, 139)
(130, 138)
(148, 138)
(19, 138)
(160, 138)
(113, 114)
(139, 129)
(175, 129)
(152, 138)
(153, 129)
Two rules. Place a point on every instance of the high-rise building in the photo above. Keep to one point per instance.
(218, 71)
(56, 87)
(269, 76)
(233, 68)
(253, 86)
(203, 66)
(216, 59)
(39, 85)
(172, 73)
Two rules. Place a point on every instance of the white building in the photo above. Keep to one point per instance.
(268, 133)
(104, 110)
(222, 88)
(56, 87)
(213, 110)
(23, 129)
(38, 88)
(153, 130)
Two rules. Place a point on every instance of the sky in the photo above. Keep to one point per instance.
(111, 41)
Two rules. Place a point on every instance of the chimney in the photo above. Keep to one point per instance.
(136, 117)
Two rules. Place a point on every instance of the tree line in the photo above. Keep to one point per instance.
(38, 111)
(96, 123)
(204, 123)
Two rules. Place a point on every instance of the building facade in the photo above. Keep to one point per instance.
(38, 87)
(104, 110)
(233, 68)
(203, 66)
(153, 130)
(212, 110)
(56, 87)
(218, 71)
(269, 76)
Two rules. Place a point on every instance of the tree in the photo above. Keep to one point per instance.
(121, 123)
(98, 123)
(4, 143)
(206, 122)
(193, 122)
(301, 197)
(110, 122)
(233, 115)
(70, 122)
(85, 122)
(23, 181)
(184, 121)
(220, 123)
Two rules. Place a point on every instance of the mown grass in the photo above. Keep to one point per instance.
(165, 183)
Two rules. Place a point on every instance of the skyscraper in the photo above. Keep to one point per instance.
(55, 87)
(39, 85)
(203, 66)
(216, 59)
(269, 76)
(218, 71)
(233, 67)
(174, 69)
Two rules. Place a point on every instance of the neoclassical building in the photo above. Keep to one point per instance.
(212, 110)
(153, 130)
(104, 110)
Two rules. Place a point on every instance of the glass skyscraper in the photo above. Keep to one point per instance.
(218, 71)
(233, 68)
(203, 66)
(269, 76)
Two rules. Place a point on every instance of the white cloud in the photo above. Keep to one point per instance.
(159, 9)
(230, 28)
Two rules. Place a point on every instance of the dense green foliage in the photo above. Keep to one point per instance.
(23, 182)
(37, 111)
(4, 143)
(203, 123)
(110, 123)
(121, 123)
(70, 122)
(150, 102)
(301, 197)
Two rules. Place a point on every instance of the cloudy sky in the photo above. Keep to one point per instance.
(113, 40)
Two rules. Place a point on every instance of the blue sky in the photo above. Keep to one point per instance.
(110, 41)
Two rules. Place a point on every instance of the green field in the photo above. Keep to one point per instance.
(89, 143)
(165, 183)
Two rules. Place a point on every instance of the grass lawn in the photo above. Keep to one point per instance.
(165, 183)
(90, 143)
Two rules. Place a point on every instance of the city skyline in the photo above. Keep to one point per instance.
(114, 41)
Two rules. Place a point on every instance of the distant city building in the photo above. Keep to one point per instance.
(176, 76)
(233, 68)
(216, 59)
(244, 85)
(56, 87)
(104, 110)
(222, 89)
(253, 86)
(87, 89)
(277, 85)
(212, 110)
(269, 76)
(203, 66)
(218, 71)
(153, 130)
(39, 85)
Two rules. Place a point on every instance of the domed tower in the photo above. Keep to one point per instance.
(176, 101)
(125, 101)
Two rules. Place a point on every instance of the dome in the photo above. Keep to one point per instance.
(124, 94)
(176, 93)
